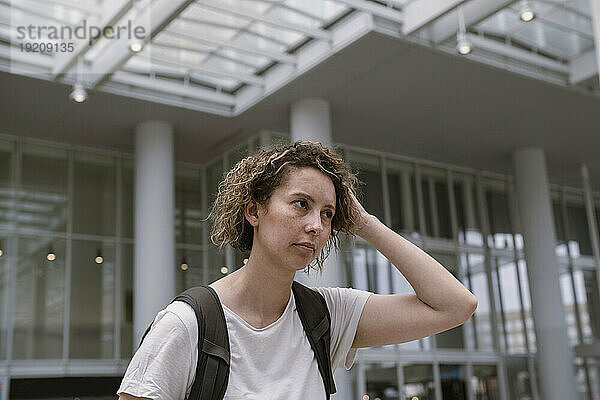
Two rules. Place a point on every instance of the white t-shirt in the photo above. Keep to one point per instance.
(272, 363)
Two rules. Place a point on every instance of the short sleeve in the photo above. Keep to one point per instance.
(162, 367)
(345, 307)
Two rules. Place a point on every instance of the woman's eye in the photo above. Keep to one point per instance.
(301, 203)
(328, 214)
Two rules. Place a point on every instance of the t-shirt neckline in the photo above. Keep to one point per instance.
(245, 323)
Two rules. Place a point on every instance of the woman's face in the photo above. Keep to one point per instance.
(293, 227)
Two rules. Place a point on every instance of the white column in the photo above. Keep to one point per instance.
(554, 353)
(595, 8)
(154, 271)
(310, 119)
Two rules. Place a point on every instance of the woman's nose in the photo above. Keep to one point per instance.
(314, 223)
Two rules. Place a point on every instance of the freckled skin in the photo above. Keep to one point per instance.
(298, 211)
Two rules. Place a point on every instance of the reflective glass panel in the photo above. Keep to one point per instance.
(127, 189)
(578, 230)
(39, 311)
(519, 387)
(511, 306)
(369, 173)
(126, 301)
(4, 243)
(189, 269)
(188, 206)
(568, 300)
(484, 382)
(401, 205)
(498, 216)
(479, 287)
(454, 382)
(527, 305)
(435, 202)
(43, 196)
(418, 382)
(382, 381)
(92, 317)
(94, 195)
(586, 287)
(6, 192)
(469, 228)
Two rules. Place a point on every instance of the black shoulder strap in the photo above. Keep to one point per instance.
(212, 371)
(316, 320)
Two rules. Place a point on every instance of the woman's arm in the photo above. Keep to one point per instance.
(440, 301)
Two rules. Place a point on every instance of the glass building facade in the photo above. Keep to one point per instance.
(66, 267)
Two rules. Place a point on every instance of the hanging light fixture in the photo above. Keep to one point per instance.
(78, 95)
(51, 256)
(99, 259)
(224, 270)
(184, 265)
(135, 44)
(463, 44)
(526, 13)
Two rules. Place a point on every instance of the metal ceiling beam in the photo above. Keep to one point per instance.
(474, 12)
(200, 36)
(421, 13)
(374, 9)
(149, 65)
(517, 54)
(112, 13)
(276, 22)
(583, 67)
(172, 88)
(154, 18)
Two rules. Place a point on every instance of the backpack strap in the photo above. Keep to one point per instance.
(316, 320)
(212, 370)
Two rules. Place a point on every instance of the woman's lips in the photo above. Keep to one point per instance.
(304, 247)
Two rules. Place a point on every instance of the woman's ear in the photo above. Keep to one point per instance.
(251, 212)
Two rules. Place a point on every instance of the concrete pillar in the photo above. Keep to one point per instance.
(554, 353)
(595, 9)
(310, 119)
(154, 270)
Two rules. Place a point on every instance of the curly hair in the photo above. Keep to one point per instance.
(256, 177)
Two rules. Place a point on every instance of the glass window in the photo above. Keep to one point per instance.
(479, 287)
(588, 297)
(92, 316)
(561, 244)
(469, 227)
(188, 206)
(189, 272)
(43, 198)
(39, 311)
(452, 338)
(369, 172)
(435, 202)
(6, 193)
(511, 305)
(454, 382)
(499, 217)
(484, 382)
(127, 198)
(382, 381)
(4, 243)
(578, 230)
(216, 261)
(360, 280)
(403, 214)
(517, 375)
(418, 382)
(126, 301)
(94, 194)
(568, 300)
(529, 323)
(214, 175)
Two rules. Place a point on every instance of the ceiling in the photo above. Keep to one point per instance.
(385, 93)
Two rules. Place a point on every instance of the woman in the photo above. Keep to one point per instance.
(286, 205)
